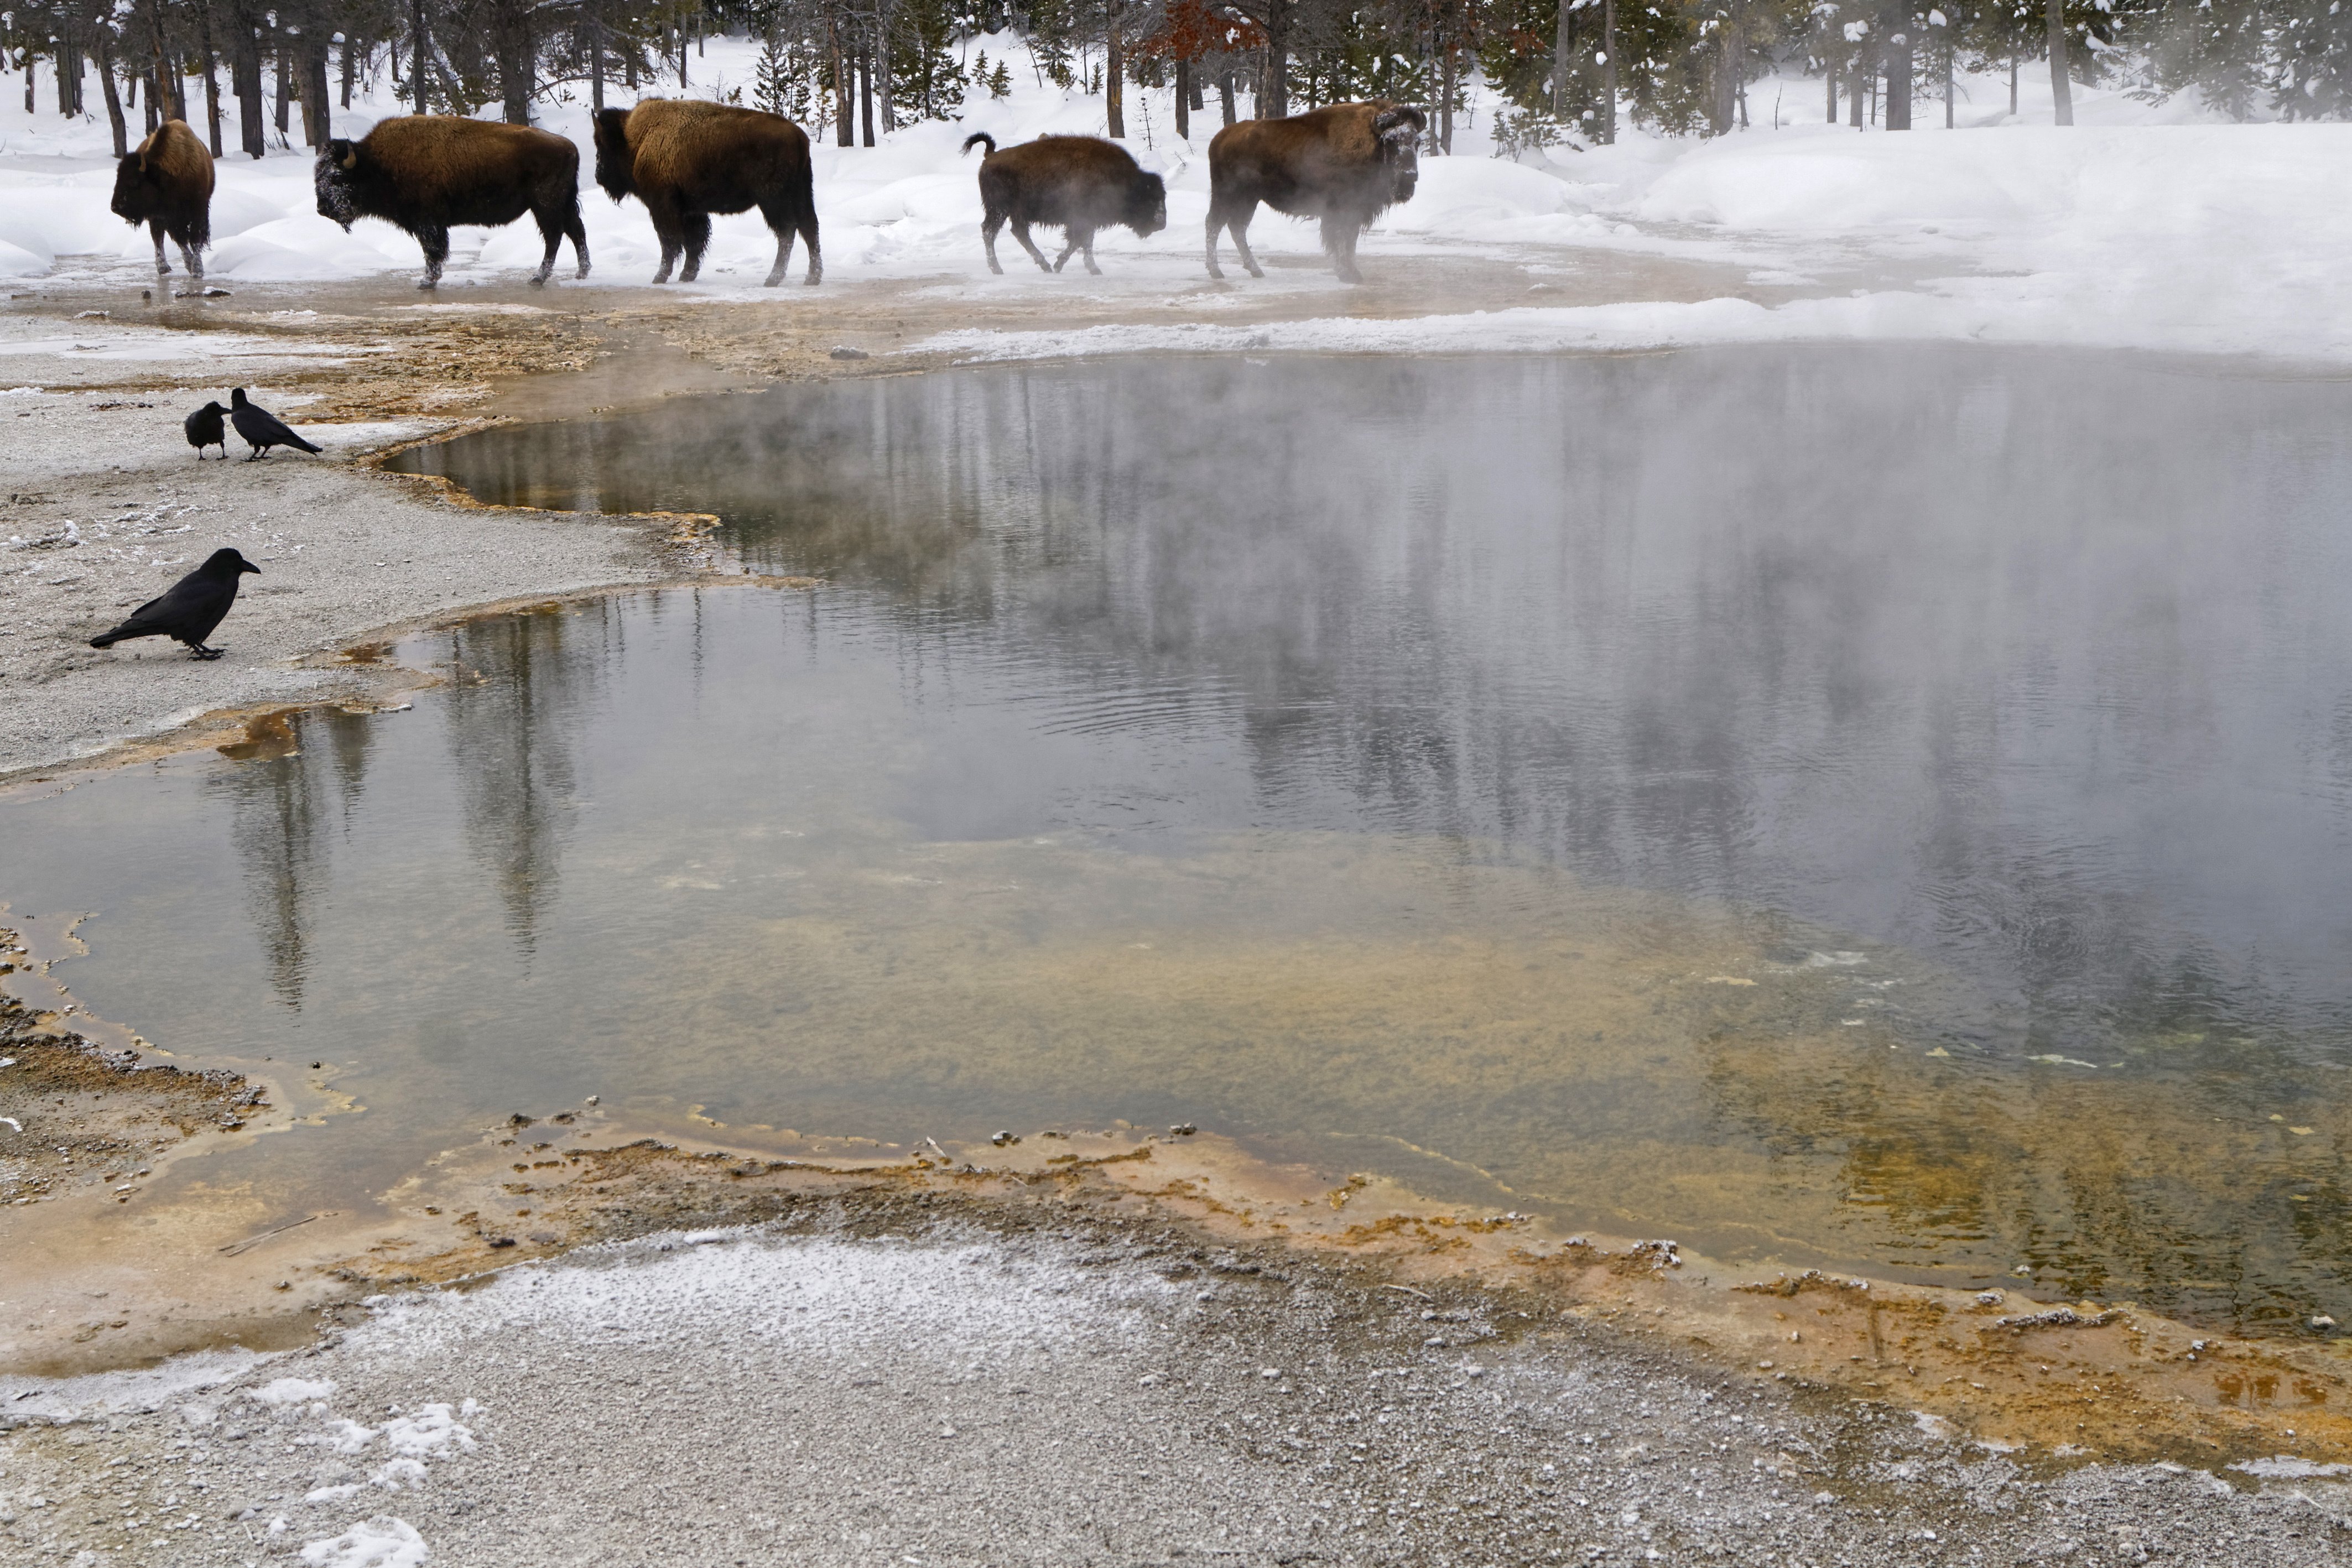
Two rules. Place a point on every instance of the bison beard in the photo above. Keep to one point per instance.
(1343, 164)
(427, 174)
(1081, 182)
(167, 185)
(688, 159)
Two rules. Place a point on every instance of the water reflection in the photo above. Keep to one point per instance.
(1874, 809)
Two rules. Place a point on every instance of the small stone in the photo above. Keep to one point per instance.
(1003, 1140)
(1182, 1130)
(2323, 1323)
(1764, 1365)
(849, 353)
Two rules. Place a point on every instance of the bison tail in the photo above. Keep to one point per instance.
(981, 139)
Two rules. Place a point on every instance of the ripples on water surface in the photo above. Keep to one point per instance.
(1878, 807)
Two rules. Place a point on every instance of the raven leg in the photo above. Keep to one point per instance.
(436, 242)
(199, 651)
(1021, 233)
(698, 240)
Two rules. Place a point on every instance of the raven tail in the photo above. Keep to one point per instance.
(305, 445)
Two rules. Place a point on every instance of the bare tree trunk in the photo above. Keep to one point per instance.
(2012, 79)
(1894, 23)
(113, 97)
(866, 91)
(1273, 101)
(1559, 33)
(420, 49)
(283, 60)
(1224, 94)
(1446, 97)
(1948, 76)
(244, 78)
(882, 69)
(1829, 75)
(212, 77)
(593, 31)
(1183, 101)
(1608, 71)
(350, 67)
(316, 117)
(2062, 93)
(1114, 69)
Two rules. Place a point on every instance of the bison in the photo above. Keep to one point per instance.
(1342, 163)
(687, 160)
(426, 174)
(167, 185)
(1081, 182)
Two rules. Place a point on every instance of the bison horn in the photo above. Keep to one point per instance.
(351, 158)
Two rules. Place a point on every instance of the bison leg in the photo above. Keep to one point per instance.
(155, 232)
(1240, 227)
(194, 255)
(1088, 246)
(808, 237)
(670, 248)
(1340, 245)
(551, 230)
(1073, 240)
(698, 240)
(436, 242)
(987, 227)
(1021, 233)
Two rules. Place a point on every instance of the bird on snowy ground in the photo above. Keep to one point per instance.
(190, 609)
(261, 429)
(208, 426)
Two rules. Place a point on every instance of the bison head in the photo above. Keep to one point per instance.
(615, 165)
(138, 189)
(336, 178)
(1399, 131)
(1146, 205)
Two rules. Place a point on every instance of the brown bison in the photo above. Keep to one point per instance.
(687, 160)
(167, 185)
(427, 174)
(1342, 163)
(1081, 182)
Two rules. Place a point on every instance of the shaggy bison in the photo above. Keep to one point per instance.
(1342, 163)
(427, 174)
(687, 160)
(1081, 182)
(167, 185)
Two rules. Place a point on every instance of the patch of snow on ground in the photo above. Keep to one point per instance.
(2285, 1466)
(382, 1542)
(291, 1391)
(817, 1294)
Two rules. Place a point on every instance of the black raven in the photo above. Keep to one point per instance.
(206, 427)
(261, 429)
(190, 610)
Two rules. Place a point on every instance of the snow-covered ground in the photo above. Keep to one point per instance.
(2145, 225)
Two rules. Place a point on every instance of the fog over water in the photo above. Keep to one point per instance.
(1880, 807)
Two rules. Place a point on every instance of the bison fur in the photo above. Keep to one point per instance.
(1344, 163)
(1079, 182)
(167, 185)
(427, 174)
(687, 160)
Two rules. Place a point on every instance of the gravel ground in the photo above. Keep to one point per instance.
(954, 1393)
(104, 505)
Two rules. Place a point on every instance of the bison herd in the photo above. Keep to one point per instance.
(1342, 164)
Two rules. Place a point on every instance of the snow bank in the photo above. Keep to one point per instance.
(2145, 225)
